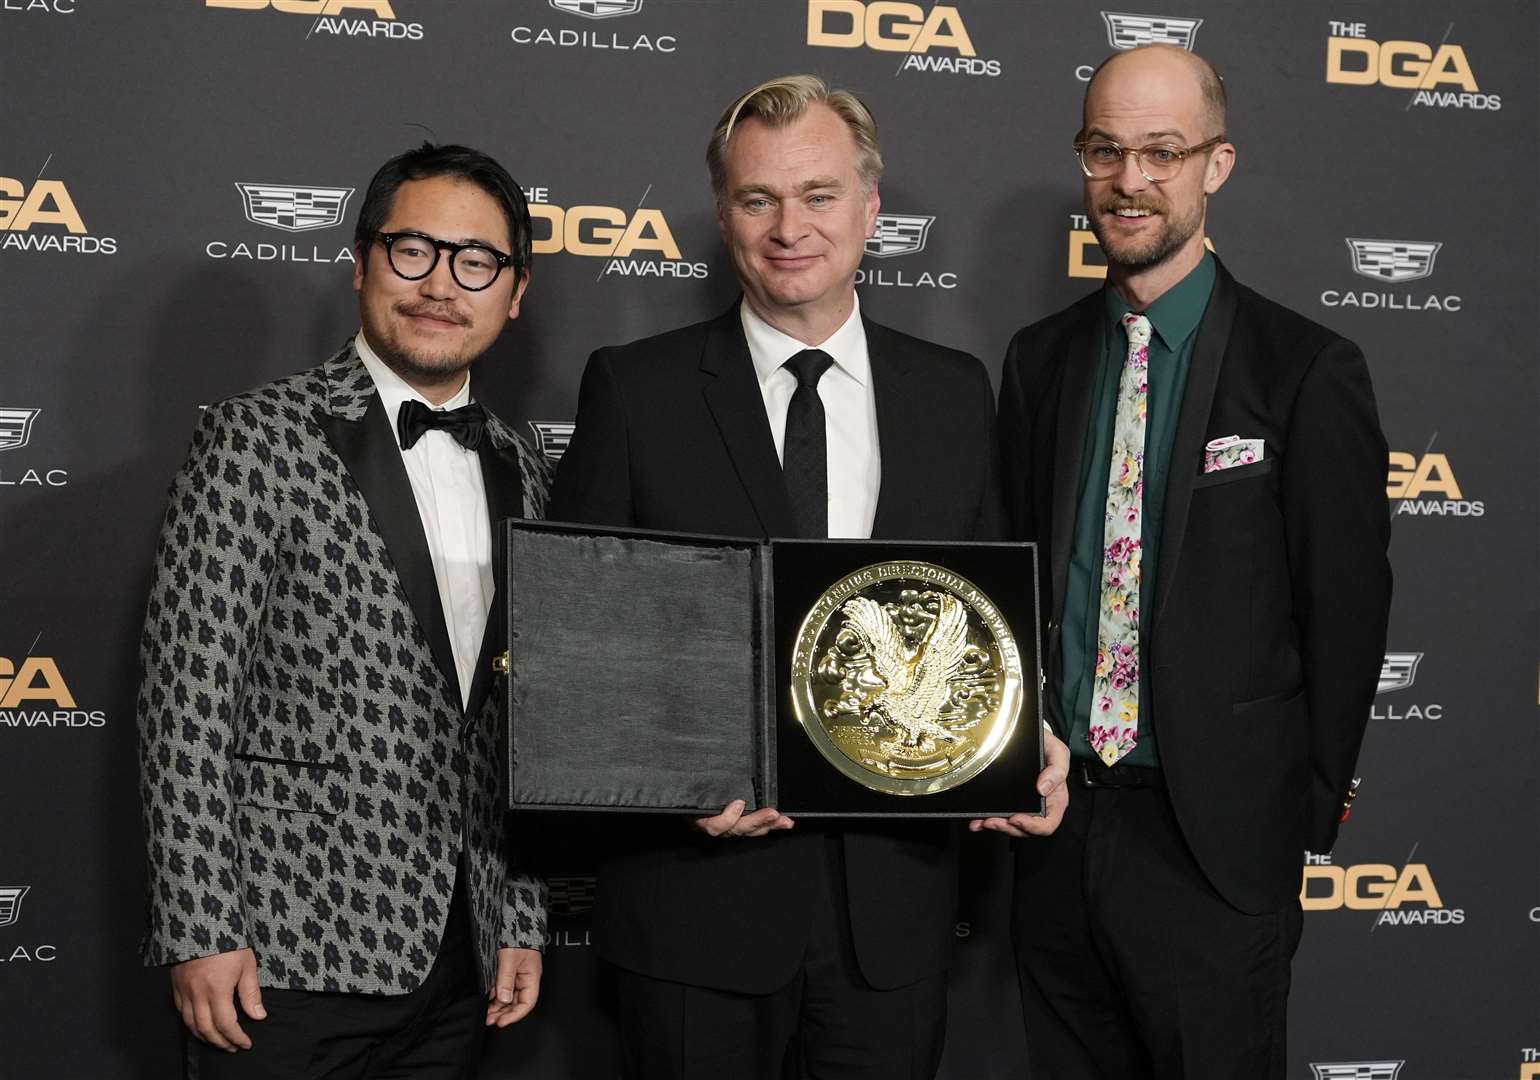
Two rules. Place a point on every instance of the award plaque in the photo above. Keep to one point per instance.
(664, 672)
(906, 678)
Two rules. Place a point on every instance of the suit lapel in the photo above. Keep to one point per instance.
(1082, 358)
(355, 424)
(899, 410)
(504, 486)
(732, 395)
(1191, 431)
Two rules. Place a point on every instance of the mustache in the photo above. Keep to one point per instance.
(433, 311)
(1113, 205)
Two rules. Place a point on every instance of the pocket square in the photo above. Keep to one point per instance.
(1230, 451)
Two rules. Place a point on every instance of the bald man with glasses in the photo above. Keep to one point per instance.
(1205, 473)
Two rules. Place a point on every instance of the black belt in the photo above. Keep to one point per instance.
(1093, 774)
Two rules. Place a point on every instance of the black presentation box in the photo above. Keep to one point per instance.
(646, 672)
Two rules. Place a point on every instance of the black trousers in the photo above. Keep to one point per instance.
(433, 1033)
(826, 1024)
(1131, 965)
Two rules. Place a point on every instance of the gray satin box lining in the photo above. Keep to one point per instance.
(606, 632)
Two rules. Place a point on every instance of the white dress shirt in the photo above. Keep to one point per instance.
(452, 503)
(849, 407)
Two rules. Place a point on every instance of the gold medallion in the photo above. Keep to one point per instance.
(906, 677)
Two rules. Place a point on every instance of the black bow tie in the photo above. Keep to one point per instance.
(466, 424)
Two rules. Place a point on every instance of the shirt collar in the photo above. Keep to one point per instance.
(1178, 311)
(769, 348)
(394, 390)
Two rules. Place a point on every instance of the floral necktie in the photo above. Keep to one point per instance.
(1115, 694)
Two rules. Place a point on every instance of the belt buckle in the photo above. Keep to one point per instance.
(1115, 777)
(1086, 779)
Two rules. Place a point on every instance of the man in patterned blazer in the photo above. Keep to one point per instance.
(323, 810)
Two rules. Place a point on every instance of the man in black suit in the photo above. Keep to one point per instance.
(1205, 472)
(745, 945)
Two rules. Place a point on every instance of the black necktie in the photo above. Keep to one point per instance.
(804, 454)
(465, 423)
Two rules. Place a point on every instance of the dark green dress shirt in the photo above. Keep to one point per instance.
(1174, 320)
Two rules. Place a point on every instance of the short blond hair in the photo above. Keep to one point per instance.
(780, 102)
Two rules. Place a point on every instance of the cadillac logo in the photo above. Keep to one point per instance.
(598, 9)
(899, 234)
(1399, 671)
(1393, 260)
(16, 427)
(294, 209)
(553, 437)
(10, 903)
(1357, 1070)
(1130, 31)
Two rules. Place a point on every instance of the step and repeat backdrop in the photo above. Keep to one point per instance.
(178, 184)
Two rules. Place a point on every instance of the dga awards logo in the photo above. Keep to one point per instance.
(1392, 262)
(1356, 1070)
(33, 694)
(552, 437)
(568, 36)
(902, 234)
(933, 39)
(632, 243)
(337, 18)
(1414, 479)
(1085, 253)
(1399, 896)
(16, 425)
(1127, 31)
(1438, 76)
(43, 217)
(1399, 672)
(11, 897)
(286, 208)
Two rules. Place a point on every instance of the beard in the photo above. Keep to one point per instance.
(417, 364)
(1143, 252)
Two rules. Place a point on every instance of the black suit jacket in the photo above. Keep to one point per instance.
(672, 434)
(1267, 629)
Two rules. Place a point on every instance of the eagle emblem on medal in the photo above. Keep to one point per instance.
(906, 678)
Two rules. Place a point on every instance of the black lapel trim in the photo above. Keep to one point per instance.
(1082, 360)
(504, 485)
(899, 410)
(373, 460)
(1191, 428)
(732, 394)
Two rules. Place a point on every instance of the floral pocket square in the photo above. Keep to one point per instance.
(1230, 451)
